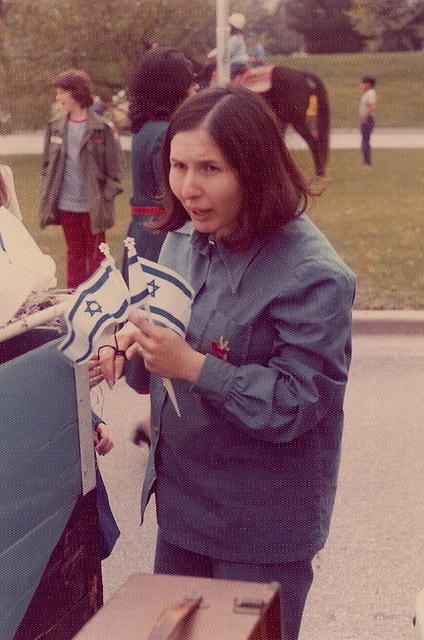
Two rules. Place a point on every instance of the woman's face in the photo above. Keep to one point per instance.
(204, 182)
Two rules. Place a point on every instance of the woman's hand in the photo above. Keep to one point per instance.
(164, 351)
(111, 364)
(103, 443)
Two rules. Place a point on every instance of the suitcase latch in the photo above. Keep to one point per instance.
(248, 605)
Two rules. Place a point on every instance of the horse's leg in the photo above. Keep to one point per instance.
(314, 145)
(290, 97)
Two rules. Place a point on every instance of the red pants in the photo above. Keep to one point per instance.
(83, 255)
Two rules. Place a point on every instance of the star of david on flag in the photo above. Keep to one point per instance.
(98, 302)
(167, 295)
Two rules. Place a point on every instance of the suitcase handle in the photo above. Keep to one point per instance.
(173, 616)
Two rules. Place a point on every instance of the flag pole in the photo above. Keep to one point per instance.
(223, 53)
(167, 383)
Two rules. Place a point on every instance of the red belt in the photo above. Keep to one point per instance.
(146, 211)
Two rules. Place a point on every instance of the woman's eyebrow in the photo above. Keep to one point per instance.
(196, 160)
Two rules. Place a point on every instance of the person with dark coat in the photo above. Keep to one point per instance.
(163, 79)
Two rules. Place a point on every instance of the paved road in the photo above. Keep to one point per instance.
(340, 139)
(372, 567)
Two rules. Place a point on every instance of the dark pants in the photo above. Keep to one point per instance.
(366, 131)
(83, 251)
(295, 577)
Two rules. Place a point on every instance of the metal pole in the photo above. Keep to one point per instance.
(33, 320)
(82, 393)
(222, 54)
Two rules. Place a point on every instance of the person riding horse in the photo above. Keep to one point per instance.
(299, 98)
(239, 57)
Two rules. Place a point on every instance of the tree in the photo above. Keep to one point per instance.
(325, 25)
(43, 37)
(419, 21)
(278, 37)
(388, 25)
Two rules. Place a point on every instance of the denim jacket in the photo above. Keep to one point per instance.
(249, 471)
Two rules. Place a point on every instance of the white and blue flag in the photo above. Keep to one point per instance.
(98, 302)
(161, 292)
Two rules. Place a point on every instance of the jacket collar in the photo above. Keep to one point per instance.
(94, 123)
(235, 262)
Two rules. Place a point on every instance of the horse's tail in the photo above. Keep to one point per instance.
(323, 117)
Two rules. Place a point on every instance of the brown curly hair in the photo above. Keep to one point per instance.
(78, 82)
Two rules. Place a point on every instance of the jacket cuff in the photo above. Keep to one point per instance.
(95, 420)
(215, 379)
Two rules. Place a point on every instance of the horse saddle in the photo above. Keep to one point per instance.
(258, 79)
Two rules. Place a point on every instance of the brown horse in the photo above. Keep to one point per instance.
(298, 98)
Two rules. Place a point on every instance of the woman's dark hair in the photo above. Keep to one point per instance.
(250, 137)
(78, 82)
(159, 85)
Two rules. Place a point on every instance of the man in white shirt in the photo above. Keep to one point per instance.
(367, 108)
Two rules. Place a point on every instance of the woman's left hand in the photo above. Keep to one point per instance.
(164, 351)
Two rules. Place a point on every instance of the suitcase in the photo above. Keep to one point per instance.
(165, 607)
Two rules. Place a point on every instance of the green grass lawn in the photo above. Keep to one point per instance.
(374, 218)
(372, 215)
(399, 88)
(399, 84)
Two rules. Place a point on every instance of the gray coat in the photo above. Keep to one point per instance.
(101, 166)
(249, 471)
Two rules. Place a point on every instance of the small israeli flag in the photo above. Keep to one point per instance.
(163, 294)
(168, 295)
(98, 302)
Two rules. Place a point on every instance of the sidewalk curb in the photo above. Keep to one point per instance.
(31, 142)
(388, 322)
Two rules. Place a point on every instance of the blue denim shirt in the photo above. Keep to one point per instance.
(249, 471)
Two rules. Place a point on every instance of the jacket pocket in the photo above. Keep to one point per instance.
(220, 336)
(111, 189)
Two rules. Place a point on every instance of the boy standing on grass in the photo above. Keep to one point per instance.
(367, 108)
(81, 174)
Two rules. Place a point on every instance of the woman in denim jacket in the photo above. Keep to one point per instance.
(245, 479)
